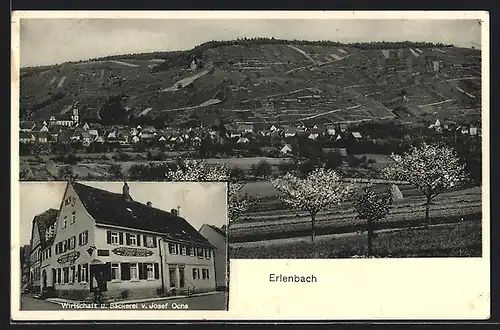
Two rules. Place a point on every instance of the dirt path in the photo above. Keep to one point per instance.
(303, 53)
(286, 241)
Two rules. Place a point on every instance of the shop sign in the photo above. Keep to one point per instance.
(69, 257)
(132, 252)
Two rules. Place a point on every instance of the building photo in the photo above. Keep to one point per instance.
(123, 242)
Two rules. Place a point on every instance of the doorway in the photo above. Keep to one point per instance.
(99, 272)
(172, 277)
(181, 277)
(44, 279)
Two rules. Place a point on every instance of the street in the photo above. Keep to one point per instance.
(215, 301)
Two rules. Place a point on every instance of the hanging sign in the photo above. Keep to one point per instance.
(69, 257)
(132, 252)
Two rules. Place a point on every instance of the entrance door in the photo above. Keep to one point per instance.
(98, 271)
(181, 277)
(172, 277)
(53, 277)
(44, 279)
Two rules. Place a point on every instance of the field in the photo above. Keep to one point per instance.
(271, 219)
(455, 240)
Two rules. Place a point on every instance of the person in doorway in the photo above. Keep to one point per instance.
(96, 288)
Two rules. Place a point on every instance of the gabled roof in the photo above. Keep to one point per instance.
(109, 208)
(217, 230)
(26, 135)
(44, 221)
(26, 125)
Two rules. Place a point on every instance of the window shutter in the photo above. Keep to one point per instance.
(107, 272)
(138, 240)
(79, 273)
(157, 270)
(155, 244)
(120, 235)
(127, 238)
(125, 270)
(109, 236)
(142, 275)
(86, 237)
(144, 240)
(80, 239)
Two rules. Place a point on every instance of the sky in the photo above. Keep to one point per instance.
(56, 40)
(199, 203)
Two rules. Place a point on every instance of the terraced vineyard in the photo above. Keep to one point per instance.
(270, 83)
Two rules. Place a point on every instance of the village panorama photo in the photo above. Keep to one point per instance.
(338, 138)
(128, 245)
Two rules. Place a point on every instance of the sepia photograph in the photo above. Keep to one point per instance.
(109, 245)
(360, 145)
(323, 154)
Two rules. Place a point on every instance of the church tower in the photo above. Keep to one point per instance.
(75, 116)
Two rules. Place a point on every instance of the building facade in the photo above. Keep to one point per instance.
(141, 251)
(217, 237)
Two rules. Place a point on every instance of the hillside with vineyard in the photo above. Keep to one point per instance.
(266, 81)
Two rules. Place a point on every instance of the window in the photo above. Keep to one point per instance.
(149, 241)
(134, 271)
(85, 273)
(58, 275)
(172, 278)
(115, 271)
(191, 251)
(114, 238)
(150, 271)
(199, 253)
(64, 246)
(50, 251)
(205, 274)
(172, 248)
(196, 273)
(183, 250)
(73, 217)
(83, 238)
(65, 221)
(79, 273)
(65, 274)
(207, 253)
(72, 274)
(133, 240)
(71, 243)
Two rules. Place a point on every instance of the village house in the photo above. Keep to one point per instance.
(243, 140)
(286, 149)
(40, 240)
(26, 137)
(66, 119)
(142, 251)
(217, 237)
(245, 128)
(289, 131)
(330, 130)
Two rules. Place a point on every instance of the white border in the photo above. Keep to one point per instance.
(274, 308)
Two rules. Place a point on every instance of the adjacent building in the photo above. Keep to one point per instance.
(142, 251)
(217, 237)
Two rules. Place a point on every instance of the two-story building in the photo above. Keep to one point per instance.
(142, 251)
(217, 237)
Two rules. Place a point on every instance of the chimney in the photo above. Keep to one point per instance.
(126, 192)
(149, 204)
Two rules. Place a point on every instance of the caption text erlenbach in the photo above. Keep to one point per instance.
(292, 278)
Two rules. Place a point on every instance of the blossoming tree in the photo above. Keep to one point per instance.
(431, 168)
(201, 171)
(319, 189)
(372, 208)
